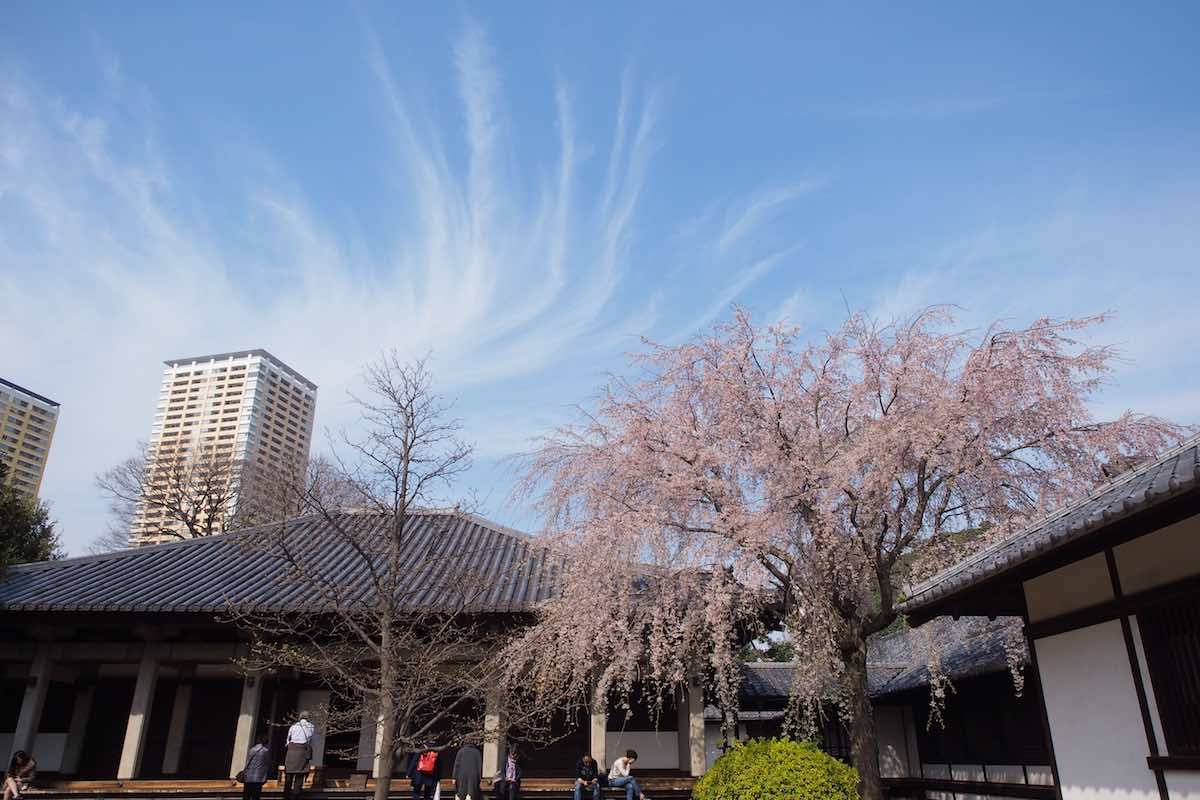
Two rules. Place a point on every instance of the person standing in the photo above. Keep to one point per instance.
(507, 783)
(258, 768)
(468, 772)
(425, 772)
(621, 776)
(587, 778)
(297, 755)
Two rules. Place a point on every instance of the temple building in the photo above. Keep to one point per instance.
(123, 667)
(1109, 592)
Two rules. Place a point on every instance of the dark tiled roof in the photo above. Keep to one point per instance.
(1171, 474)
(766, 680)
(443, 550)
(970, 646)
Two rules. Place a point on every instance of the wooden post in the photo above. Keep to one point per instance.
(376, 761)
(494, 743)
(34, 700)
(80, 714)
(366, 740)
(243, 737)
(178, 725)
(695, 763)
(318, 710)
(599, 730)
(139, 715)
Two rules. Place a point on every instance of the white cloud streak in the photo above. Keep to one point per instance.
(106, 269)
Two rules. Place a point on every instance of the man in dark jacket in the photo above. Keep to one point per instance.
(587, 778)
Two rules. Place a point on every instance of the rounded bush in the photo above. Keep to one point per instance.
(777, 769)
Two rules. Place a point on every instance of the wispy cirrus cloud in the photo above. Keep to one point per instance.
(505, 271)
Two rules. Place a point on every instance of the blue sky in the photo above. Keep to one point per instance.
(525, 189)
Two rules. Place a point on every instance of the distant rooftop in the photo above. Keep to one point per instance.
(175, 362)
(25, 391)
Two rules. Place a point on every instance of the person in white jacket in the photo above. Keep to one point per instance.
(619, 776)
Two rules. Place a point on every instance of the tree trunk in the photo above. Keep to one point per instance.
(387, 752)
(864, 746)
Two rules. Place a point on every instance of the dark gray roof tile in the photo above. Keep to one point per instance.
(1172, 473)
(512, 570)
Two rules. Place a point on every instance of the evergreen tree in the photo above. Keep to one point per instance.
(26, 530)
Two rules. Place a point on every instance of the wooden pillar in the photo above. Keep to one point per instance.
(494, 743)
(599, 730)
(376, 764)
(243, 736)
(139, 715)
(366, 740)
(316, 703)
(179, 716)
(35, 699)
(81, 712)
(691, 730)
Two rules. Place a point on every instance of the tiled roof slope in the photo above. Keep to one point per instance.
(207, 575)
(1171, 474)
(898, 662)
(968, 647)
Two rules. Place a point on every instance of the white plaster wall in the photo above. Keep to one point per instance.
(1183, 785)
(1040, 776)
(47, 749)
(1077, 585)
(966, 772)
(1005, 773)
(1169, 554)
(656, 749)
(712, 743)
(893, 745)
(1095, 721)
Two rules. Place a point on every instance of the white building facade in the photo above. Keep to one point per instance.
(1110, 592)
(247, 412)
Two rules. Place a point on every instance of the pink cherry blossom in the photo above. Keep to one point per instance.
(748, 481)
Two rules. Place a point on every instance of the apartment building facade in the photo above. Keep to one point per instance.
(27, 422)
(242, 421)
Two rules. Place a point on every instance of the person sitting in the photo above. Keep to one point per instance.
(620, 776)
(425, 772)
(21, 771)
(587, 778)
(506, 785)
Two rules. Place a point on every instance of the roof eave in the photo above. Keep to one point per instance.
(1002, 594)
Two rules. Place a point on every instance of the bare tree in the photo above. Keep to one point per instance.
(181, 493)
(395, 626)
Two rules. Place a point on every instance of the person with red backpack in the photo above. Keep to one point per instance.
(425, 772)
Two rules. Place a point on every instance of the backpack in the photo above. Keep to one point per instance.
(427, 763)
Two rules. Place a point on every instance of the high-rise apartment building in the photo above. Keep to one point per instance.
(27, 423)
(247, 416)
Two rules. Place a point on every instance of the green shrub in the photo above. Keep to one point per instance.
(777, 769)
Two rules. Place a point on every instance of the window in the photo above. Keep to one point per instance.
(1171, 637)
